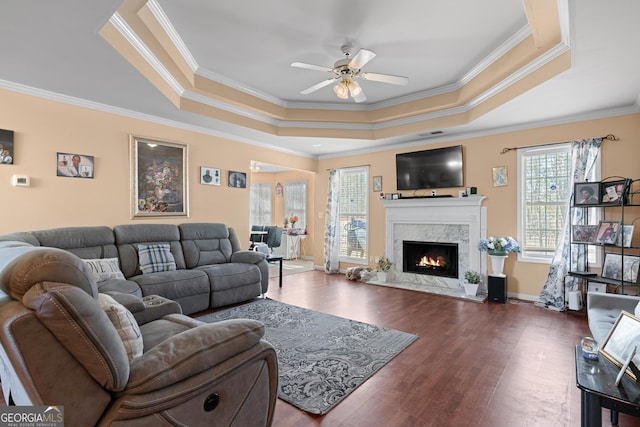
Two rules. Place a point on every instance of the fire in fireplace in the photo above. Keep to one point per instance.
(432, 258)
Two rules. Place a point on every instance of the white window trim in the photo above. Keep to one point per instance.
(521, 153)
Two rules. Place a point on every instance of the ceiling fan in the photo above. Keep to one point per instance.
(346, 72)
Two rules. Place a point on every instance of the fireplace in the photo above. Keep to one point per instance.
(430, 258)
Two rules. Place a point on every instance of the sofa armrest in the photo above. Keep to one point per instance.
(248, 257)
(148, 308)
(191, 352)
(603, 310)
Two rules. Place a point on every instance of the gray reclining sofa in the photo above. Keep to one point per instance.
(208, 268)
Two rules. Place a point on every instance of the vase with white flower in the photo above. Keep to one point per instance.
(498, 249)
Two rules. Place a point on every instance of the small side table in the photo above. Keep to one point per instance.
(276, 258)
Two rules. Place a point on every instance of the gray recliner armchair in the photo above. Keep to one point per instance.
(60, 348)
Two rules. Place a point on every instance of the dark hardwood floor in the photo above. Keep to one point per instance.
(494, 365)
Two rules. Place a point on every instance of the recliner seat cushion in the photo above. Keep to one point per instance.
(231, 275)
(173, 284)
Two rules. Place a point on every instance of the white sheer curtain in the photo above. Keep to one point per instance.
(295, 201)
(553, 295)
(332, 227)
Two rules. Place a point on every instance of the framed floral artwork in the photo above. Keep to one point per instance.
(158, 178)
(499, 176)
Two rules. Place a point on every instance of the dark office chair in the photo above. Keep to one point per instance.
(274, 237)
(258, 235)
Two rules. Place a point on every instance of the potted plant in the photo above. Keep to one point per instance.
(382, 268)
(498, 249)
(471, 282)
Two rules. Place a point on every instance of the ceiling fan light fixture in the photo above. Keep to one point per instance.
(342, 90)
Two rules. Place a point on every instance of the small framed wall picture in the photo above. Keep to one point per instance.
(74, 165)
(499, 176)
(586, 193)
(377, 183)
(6, 147)
(209, 176)
(237, 179)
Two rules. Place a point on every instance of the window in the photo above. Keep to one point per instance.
(353, 213)
(295, 201)
(543, 195)
(260, 211)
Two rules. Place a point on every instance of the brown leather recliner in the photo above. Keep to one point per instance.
(59, 348)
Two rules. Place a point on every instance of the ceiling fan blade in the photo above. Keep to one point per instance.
(361, 59)
(359, 97)
(386, 78)
(311, 67)
(318, 86)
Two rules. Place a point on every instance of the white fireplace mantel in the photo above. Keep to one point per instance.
(462, 220)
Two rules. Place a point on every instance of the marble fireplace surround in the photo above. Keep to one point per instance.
(461, 220)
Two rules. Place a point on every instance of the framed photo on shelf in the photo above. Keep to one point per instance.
(623, 337)
(614, 192)
(625, 235)
(608, 232)
(619, 267)
(584, 233)
(586, 193)
(158, 178)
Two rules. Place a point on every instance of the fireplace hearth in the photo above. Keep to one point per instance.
(430, 258)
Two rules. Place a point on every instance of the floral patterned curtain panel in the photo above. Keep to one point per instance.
(332, 228)
(583, 156)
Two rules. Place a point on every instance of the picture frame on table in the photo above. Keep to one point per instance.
(621, 341)
(210, 176)
(619, 267)
(615, 192)
(608, 232)
(159, 186)
(586, 193)
(74, 165)
(584, 233)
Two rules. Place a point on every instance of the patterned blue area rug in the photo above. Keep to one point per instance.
(321, 358)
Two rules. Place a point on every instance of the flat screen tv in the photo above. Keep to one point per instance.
(436, 168)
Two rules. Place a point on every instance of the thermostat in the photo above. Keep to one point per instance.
(21, 180)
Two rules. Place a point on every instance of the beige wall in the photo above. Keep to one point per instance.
(619, 158)
(44, 127)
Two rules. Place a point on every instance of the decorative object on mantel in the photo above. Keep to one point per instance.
(382, 268)
(498, 249)
(471, 282)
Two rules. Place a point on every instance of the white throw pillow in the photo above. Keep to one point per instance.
(155, 258)
(125, 324)
(637, 310)
(105, 268)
